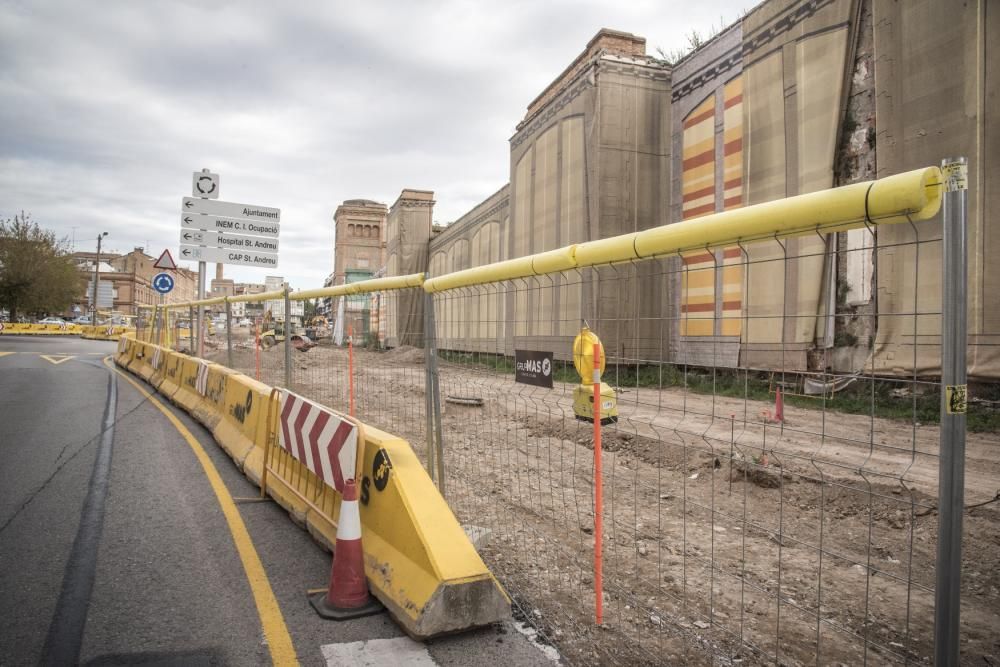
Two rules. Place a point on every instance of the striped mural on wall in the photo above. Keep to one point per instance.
(732, 197)
(698, 188)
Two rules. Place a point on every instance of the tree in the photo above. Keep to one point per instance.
(37, 274)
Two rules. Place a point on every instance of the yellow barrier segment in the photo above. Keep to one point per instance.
(187, 395)
(418, 560)
(168, 379)
(22, 329)
(914, 195)
(212, 406)
(242, 429)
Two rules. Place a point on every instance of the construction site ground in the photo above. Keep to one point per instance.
(727, 540)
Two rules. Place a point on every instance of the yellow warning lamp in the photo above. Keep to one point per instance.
(583, 394)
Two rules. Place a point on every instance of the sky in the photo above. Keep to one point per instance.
(107, 108)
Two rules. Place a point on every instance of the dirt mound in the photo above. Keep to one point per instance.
(406, 354)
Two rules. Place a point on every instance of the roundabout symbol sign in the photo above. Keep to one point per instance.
(163, 283)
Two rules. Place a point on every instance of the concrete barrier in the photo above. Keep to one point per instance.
(167, 379)
(418, 560)
(210, 410)
(21, 329)
(139, 352)
(193, 373)
(242, 430)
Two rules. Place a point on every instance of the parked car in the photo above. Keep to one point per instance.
(52, 320)
(245, 322)
(82, 319)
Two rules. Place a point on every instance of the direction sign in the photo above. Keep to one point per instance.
(228, 209)
(163, 283)
(212, 222)
(227, 240)
(165, 261)
(205, 184)
(227, 256)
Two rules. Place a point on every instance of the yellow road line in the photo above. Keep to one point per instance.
(278, 640)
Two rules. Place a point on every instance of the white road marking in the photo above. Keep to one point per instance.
(397, 652)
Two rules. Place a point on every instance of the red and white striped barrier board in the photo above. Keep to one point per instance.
(201, 382)
(110, 331)
(322, 440)
(157, 358)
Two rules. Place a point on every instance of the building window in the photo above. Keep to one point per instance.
(350, 230)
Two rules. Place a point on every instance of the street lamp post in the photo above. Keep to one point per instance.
(97, 273)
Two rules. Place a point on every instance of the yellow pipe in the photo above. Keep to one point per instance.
(914, 195)
(255, 298)
(361, 287)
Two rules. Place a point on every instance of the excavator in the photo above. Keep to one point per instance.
(272, 332)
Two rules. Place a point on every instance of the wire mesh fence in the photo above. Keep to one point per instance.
(729, 535)
(770, 463)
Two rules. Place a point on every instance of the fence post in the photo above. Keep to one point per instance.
(429, 386)
(436, 399)
(191, 347)
(951, 472)
(288, 340)
(229, 334)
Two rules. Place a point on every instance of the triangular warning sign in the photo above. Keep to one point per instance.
(165, 261)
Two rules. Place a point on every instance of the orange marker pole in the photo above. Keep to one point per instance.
(350, 368)
(598, 493)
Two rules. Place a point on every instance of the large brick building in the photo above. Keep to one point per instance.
(790, 99)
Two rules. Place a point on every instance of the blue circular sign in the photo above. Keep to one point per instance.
(163, 283)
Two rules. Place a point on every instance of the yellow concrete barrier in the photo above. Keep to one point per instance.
(193, 371)
(212, 407)
(20, 329)
(125, 352)
(167, 379)
(418, 559)
(139, 357)
(244, 423)
(102, 331)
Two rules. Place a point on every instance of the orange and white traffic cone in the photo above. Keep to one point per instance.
(347, 596)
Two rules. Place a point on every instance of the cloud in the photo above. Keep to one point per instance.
(109, 108)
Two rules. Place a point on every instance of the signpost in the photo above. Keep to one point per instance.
(224, 232)
(163, 283)
(195, 221)
(166, 261)
(205, 184)
(228, 240)
(228, 256)
(228, 209)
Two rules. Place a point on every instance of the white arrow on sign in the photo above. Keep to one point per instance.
(229, 241)
(215, 223)
(229, 209)
(226, 256)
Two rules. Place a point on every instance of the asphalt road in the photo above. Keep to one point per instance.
(114, 549)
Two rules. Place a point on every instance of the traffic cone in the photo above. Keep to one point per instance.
(779, 406)
(347, 596)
